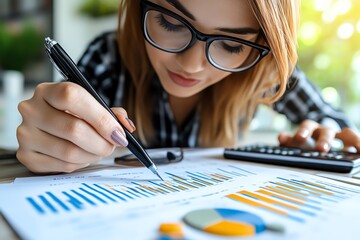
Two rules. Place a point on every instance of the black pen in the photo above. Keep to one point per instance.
(66, 66)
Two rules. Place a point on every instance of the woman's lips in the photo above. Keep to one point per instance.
(181, 81)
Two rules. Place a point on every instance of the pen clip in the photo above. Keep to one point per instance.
(49, 44)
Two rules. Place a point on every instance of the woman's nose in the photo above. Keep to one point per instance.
(193, 59)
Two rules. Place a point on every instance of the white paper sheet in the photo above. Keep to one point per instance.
(132, 203)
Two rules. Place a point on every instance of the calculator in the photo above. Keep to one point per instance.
(334, 161)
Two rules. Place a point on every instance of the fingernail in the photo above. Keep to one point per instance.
(119, 138)
(304, 133)
(131, 123)
(325, 145)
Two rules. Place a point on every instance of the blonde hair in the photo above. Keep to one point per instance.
(230, 103)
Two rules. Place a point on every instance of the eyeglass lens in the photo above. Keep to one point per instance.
(172, 35)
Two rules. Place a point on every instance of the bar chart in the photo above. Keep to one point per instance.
(211, 198)
(95, 194)
(294, 198)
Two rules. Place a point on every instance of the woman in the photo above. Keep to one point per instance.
(189, 73)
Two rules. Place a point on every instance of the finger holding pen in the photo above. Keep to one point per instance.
(65, 129)
(76, 100)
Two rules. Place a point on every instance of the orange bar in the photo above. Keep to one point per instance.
(269, 200)
(256, 204)
(288, 186)
(316, 184)
(184, 183)
(220, 176)
(315, 189)
(148, 189)
(280, 196)
(292, 191)
(285, 193)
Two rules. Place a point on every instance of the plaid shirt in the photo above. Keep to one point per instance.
(102, 66)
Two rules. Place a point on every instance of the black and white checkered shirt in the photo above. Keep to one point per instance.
(104, 70)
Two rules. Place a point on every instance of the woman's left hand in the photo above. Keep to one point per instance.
(312, 135)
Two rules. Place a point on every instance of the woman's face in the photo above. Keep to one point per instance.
(188, 73)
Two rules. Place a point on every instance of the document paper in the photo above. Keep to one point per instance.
(131, 203)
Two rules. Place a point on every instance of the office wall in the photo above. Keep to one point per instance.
(74, 30)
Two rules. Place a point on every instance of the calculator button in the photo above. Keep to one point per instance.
(315, 154)
(269, 151)
(306, 154)
(277, 151)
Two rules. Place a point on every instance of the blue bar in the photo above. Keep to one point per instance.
(199, 182)
(184, 183)
(156, 190)
(313, 193)
(232, 173)
(210, 178)
(84, 198)
(93, 195)
(145, 190)
(315, 185)
(297, 194)
(202, 182)
(35, 205)
(339, 187)
(175, 176)
(294, 203)
(95, 190)
(133, 189)
(58, 201)
(169, 187)
(48, 204)
(203, 175)
(132, 192)
(124, 194)
(197, 176)
(281, 206)
(110, 192)
(76, 203)
(161, 187)
(242, 170)
(302, 185)
(320, 188)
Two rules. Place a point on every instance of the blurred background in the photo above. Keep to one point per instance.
(329, 51)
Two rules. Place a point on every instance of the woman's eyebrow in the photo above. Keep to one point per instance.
(242, 31)
(181, 8)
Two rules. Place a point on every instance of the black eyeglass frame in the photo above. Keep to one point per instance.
(197, 35)
(158, 156)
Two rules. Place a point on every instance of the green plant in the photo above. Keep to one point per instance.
(19, 46)
(99, 8)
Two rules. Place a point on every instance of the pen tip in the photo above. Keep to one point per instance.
(154, 170)
(159, 176)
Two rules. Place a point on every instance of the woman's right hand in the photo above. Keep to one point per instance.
(64, 128)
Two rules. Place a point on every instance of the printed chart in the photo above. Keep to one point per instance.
(210, 196)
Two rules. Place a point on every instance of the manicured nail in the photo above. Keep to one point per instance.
(119, 138)
(131, 123)
(304, 133)
(325, 145)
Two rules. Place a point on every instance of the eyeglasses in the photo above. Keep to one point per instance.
(172, 33)
(159, 156)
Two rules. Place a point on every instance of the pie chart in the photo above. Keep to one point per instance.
(225, 222)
